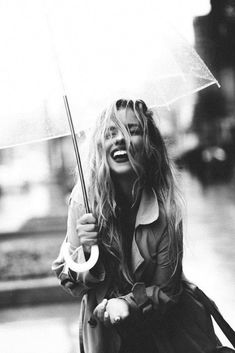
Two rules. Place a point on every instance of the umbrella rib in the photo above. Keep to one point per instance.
(185, 95)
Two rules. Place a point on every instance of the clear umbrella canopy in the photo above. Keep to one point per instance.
(94, 52)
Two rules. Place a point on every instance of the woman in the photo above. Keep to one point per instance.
(136, 298)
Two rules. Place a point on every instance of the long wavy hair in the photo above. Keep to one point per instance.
(157, 172)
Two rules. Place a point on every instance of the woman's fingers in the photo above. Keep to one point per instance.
(86, 227)
(111, 311)
(92, 236)
(118, 310)
(87, 218)
(117, 319)
(106, 319)
(87, 230)
(100, 310)
(88, 241)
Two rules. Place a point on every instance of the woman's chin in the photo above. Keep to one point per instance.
(122, 169)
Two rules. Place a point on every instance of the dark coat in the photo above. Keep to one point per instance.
(165, 316)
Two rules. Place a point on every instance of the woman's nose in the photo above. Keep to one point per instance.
(119, 137)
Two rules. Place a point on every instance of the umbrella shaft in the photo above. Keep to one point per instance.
(77, 154)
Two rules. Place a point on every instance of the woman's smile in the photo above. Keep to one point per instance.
(120, 155)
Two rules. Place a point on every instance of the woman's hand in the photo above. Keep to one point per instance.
(87, 231)
(117, 309)
(112, 311)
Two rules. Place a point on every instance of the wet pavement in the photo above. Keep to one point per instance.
(209, 261)
(40, 329)
(210, 236)
(209, 243)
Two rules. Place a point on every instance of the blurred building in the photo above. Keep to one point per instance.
(215, 43)
(214, 115)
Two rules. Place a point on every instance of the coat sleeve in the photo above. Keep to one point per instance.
(77, 284)
(166, 285)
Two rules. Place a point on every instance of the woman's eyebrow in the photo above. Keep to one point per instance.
(127, 126)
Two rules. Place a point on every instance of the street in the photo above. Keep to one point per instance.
(47, 329)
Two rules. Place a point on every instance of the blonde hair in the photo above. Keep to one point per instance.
(157, 173)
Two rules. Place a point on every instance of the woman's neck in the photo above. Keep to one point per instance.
(124, 186)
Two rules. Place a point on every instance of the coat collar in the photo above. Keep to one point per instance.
(148, 211)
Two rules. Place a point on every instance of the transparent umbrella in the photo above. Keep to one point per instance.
(92, 52)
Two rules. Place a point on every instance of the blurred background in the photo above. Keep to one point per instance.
(36, 180)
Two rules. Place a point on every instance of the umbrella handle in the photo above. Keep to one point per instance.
(94, 249)
(85, 266)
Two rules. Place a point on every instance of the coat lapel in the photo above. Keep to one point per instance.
(148, 213)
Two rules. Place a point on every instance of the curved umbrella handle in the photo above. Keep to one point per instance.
(85, 266)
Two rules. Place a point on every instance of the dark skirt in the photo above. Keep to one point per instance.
(186, 328)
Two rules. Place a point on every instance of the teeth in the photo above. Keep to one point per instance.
(119, 154)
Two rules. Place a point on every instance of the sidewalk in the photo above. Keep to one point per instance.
(38, 316)
(40, 329)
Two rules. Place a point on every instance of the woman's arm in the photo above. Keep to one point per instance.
(76, 283)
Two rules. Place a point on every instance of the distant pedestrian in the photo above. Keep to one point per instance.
(136, 298)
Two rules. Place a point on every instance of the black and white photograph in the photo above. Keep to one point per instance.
(117, 176)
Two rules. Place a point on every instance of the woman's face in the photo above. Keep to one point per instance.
(116, 146)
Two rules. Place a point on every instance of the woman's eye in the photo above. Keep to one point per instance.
(110, 133)
(135, 131)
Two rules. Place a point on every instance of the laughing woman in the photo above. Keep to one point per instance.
(135, 299)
